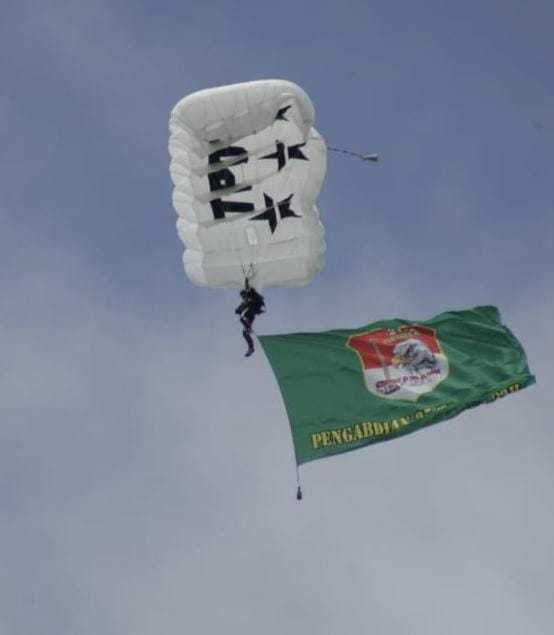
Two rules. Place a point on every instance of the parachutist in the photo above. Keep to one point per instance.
(252, 305)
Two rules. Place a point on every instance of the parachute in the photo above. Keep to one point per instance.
(247, 166)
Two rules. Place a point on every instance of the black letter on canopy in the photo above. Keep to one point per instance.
(223, 179)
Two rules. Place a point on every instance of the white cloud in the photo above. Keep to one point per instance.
(153, 464)
(148, 481)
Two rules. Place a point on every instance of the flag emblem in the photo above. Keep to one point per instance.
(402, 363)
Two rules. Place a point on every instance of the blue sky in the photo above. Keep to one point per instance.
(147, 478)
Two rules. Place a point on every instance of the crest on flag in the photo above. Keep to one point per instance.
(401, 363)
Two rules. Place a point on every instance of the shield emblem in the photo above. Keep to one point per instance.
(402, 363)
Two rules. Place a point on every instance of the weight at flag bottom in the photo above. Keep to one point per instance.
(348, 388)
(247, 165)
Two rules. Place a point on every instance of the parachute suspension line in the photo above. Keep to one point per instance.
(374, 158)
(248, 272)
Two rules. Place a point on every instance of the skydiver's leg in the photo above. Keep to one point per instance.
(249, 341)
(247, 323)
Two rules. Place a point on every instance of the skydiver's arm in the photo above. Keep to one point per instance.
(241, 307)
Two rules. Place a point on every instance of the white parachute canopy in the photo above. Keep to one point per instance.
(247, 166)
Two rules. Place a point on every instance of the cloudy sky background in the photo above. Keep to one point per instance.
(147, 483)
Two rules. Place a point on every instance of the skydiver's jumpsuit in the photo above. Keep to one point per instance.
(252, 305)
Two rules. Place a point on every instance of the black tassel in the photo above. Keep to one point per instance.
(299, 494)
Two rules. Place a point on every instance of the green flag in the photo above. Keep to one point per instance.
(347, 388)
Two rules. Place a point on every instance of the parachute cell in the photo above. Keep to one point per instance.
(247, 166)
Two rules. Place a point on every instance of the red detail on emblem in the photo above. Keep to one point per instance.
(376, 348)
(400, 363)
